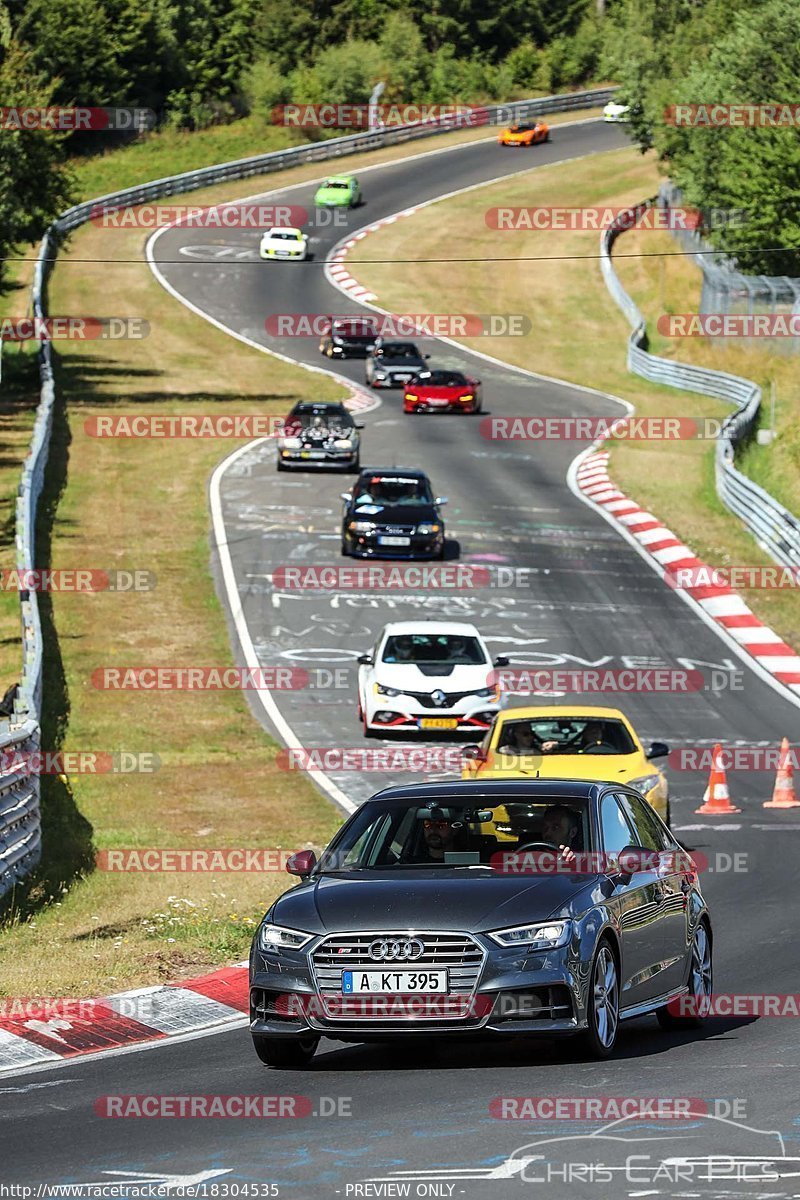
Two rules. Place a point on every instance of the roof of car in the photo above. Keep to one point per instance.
(411, 472)
(456, 628)
(492, 789)
(284, 229)
(319, 405)
(559, 710)
(337, 179)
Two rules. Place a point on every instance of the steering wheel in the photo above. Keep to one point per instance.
(538, 846)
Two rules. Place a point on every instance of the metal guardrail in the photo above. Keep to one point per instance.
(774, 527)
(20, 838)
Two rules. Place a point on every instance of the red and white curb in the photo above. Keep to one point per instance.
(335, 269)
(37, 1032)
(720, 603)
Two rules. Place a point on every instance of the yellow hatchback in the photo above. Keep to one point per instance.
(570, 742)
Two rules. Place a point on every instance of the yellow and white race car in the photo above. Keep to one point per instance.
(570, 742)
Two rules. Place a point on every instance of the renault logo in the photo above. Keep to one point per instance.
(438, 698)
(389, 949)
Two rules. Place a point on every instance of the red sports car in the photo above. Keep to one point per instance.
(448, 391)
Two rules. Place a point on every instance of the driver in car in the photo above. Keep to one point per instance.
(560, 828)
(440, 834)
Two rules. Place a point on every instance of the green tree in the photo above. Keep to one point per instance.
(35, 183)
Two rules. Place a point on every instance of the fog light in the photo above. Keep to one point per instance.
(385, 717)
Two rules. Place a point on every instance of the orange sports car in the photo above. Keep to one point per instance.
(527, 133)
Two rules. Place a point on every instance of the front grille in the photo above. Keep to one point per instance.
(459, 953)
(451, 698)
(393, 530)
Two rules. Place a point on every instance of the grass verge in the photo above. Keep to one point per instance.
(578, 333)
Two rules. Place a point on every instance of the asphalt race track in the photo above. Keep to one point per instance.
(422, 1116)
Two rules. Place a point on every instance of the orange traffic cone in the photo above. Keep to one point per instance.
(783, 795)
(716, 798)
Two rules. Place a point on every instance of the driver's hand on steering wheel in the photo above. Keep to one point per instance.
(567, 854)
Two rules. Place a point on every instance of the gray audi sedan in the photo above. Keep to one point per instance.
(526, 907)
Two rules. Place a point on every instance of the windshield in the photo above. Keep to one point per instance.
(451, 835)
(523, 128)
(444, 379)
(387, 490)
(441, 648)
(565, 735)
(399, 350)
(338, 184)
(355, 330)
(284, 235)
(333, 418)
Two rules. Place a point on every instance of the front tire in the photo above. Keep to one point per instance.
(603, 1003)
(285, 1052)
(701, 983)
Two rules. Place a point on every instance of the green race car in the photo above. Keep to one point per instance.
(338, 191)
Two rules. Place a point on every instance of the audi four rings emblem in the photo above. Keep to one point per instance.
(405, 949)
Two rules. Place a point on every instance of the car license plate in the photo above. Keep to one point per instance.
(438, 723)
(438, 403)
(390, 983)
(313, 454)
(402, 378)
(394, 541)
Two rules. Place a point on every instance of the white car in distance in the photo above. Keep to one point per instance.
(428, 676)
(283, 241)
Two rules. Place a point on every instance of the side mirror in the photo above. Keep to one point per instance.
(302, 863)
(658, 750)
(426, 356)
(502, 660)
(473, 752)
(346, 496)
(440, 500)
(365, 660)
(359, 424)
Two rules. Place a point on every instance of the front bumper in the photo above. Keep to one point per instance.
(332, 458)
(517, 993)
(283, 255)
(404, 713)
(443, 406)
(365, 545)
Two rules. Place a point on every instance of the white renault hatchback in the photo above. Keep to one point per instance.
(428, 676)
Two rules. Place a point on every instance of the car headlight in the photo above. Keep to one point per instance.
(290, 443)
(381, 690)
(548, 936)
(464, 399)
(342, 444)
(409, 396)
(427, 528)
(278, 937)
(380, 374)
(487, 693)
(645, 783)
(361, 526)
